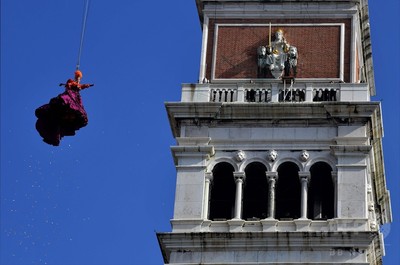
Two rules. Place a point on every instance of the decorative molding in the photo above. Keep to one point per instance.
(240, 156)
(272, 155)
(304, 155)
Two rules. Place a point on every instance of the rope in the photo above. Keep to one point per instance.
(84, 18)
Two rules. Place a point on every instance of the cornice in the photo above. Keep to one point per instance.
(259, 241)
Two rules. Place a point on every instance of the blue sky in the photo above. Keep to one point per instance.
(99, 197)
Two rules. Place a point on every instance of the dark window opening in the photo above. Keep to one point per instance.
(222, 194)
(251, 95)
(288, 196)
(255, 193)
(258, 95)
(321, 192)
(325, 95)
(292, 95)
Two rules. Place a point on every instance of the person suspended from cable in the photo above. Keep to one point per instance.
(64, 114)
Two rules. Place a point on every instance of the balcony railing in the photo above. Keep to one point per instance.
(325, 94)
(274, 92)
(223, 95)
(258, 95)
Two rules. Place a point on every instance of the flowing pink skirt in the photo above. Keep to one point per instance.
(62, 116)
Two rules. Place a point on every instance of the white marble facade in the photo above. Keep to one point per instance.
(350, 168)
(345, 238)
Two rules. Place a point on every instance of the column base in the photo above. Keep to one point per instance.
(269, 224)
(235, 225)
(302, 224)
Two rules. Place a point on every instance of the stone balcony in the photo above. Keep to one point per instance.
(273, 91)
(273, 225)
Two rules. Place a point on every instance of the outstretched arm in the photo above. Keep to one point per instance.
(71, 83)
(83, 86)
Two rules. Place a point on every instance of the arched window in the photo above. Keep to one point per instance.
(288, 192)
(222, 195)
(321, 192)
(255, 195)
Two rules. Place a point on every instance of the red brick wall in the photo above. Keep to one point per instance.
(318, 48)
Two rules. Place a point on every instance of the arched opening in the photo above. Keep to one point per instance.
(255, 194)
(288, 192)
(321, 192)
(222, 195)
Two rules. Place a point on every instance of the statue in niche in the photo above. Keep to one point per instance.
(291, 62)
(277, 58)
(262, 62)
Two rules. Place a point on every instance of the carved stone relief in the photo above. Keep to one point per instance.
(272, 155)
(304, 156)
(240, 156)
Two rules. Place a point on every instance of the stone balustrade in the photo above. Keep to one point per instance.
(275, 92)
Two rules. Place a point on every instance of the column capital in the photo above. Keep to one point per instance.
(209, 176)
(271, 175)
(304, 176)
(239, 176)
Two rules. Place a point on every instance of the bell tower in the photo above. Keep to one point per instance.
(278, 146)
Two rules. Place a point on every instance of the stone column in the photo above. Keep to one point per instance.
(275, 92)
(202, 72)
(271, 177)
(309, 93)
(240, 94)
(304, 179)
(335, 186)
(239, 178)
(208, 179)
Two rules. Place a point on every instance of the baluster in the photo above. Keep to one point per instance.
(320, 94)
(333, 95)
(252, 95)
(326, 95)
(303, 95)
(263, 95)
(268, 96)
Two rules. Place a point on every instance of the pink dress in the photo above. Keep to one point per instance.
(63, 115)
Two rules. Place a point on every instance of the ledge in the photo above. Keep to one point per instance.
(193, 247)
